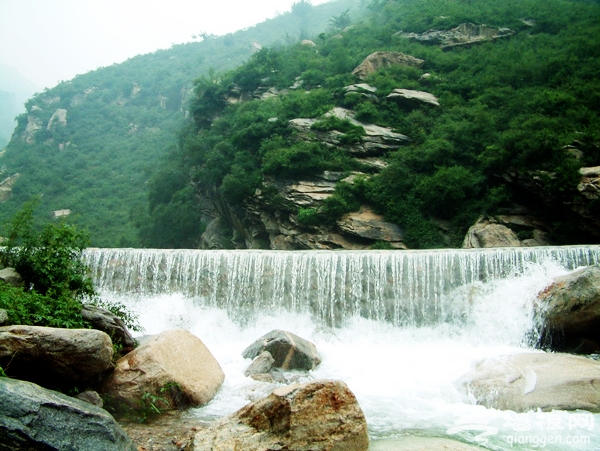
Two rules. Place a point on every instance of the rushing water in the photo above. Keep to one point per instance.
(399, 327)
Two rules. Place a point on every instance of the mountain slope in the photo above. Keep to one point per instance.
(90, 144)
(511, 119)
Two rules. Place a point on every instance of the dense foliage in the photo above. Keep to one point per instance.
(120, 121)
(48, 258)
(514, 105)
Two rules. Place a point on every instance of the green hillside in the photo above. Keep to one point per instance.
(89, 145)
(518, 117)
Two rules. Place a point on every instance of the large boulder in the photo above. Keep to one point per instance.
(570, 310)
(54, 357)
(530, 381)
(108, 322)
(289, 351)
(317, 416)
(33, 418)
(11, 277)
(486, 233)
(412, 98)
(369, 225)
(381, 60)
(174, 365)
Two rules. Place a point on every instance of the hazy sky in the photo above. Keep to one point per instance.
(52, 40)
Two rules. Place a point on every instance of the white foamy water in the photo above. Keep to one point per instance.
(403, 372)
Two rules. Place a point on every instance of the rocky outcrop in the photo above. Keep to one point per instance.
(376, 142)
(289, 351)
(422, 444)
(570, 311)
(34, 124)
(58, 118)
(32, 418)
(174, 365)
(3, 317)
(464, 34)
(11, 277)
(109, 323)
(589, 186)
(367, 224)
(317, 416)
(6, 186)
(54, 357)
(380, 60)
(412, 98)
(530, 381)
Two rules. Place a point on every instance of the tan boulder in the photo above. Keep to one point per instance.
(174, 365)
(530, 381)
(317, 416)
(489, 234)
(53, 357)
(11, 277)
(570, 309)
(380, 60)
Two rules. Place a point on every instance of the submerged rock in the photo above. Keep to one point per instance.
(33, 418)
(289, 351)
(317, 416)
(261, 364)
(54, 357)
(422, 444)
(570, 310)
(530, 381)
(174, 365)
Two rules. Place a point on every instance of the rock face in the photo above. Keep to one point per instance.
(570, 309)
(106, 321)
(464, 34)
(54, 357)
(289, 351)
(318, 416)
(530, 381)
(6, 187)
(379, 60)
(365, 223)
(59, 117)
(32, 418)
(11, 277)
(176, 362)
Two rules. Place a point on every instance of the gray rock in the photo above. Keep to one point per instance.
(106, 321)
(91, 397)
(11, 277)
(33, 418)
(3, 317)
(411, 97)
(530, 381)
(289, 351)
(317, 416)
(464, 34)
(54, 357)
(261, 364)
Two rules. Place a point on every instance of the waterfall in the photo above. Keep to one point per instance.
(399, 327)
(400, 287)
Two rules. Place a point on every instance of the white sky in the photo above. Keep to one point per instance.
(52, 40)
